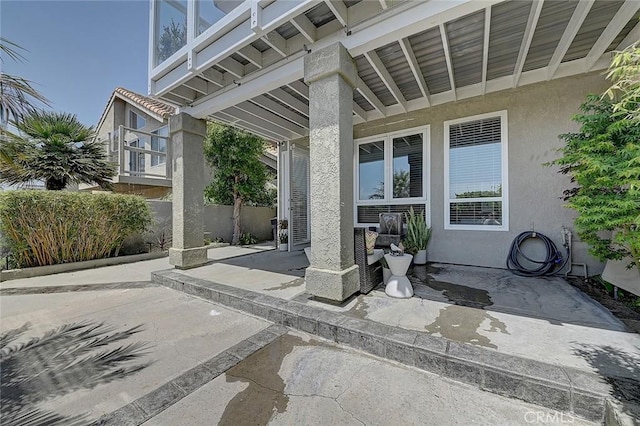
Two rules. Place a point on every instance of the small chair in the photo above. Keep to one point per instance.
(369, 265)
(391, 228)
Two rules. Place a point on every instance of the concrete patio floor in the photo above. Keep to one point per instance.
(208, 364)
(538, 340)
(544, 319)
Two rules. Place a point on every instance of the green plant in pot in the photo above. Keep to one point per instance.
(418, 235)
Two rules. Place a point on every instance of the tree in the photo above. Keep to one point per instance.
(400, 186)
(56, 149)
(624, 73)
(603, 160)
(17, 95)
(239, 175)
(173, 37)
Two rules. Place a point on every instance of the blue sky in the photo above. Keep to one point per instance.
(79, 51)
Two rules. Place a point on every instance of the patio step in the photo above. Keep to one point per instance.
(564, 389)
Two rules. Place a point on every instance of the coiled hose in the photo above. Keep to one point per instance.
(553, 260)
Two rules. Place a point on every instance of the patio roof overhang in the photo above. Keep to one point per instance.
(247, 69)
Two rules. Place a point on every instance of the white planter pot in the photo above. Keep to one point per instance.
(283, 246)
(420, 258)
(616, 272)
(386, 274)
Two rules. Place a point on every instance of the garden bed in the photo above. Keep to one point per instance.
(624, 308)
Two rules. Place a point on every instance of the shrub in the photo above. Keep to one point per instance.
(48, 227)
(247, 238)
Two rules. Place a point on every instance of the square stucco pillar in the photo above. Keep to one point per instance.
(331, 73)
(187, 139)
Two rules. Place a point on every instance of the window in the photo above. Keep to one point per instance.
(209, 12)
(391, 174)
(170, 28)
(159, 144)
(476, 173)
(136, 159)
(136, 121)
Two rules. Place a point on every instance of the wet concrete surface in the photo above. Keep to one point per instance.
(304, 380)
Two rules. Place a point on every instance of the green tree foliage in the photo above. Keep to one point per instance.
(603, 160)
(173, 37)
(624, 73)
(400, 186)
(57, 149)
(239, 175)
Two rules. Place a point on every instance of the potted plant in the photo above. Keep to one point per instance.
(418, 235)
(283, 237)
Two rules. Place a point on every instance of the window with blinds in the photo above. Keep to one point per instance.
(476, 172)
(391, 174)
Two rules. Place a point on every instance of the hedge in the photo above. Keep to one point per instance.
(50, 227)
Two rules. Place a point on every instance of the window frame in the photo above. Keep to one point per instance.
(162, 159)
(504, 152)
(138, 118)
(387, 139)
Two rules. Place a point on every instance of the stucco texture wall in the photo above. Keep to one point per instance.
(537, 114)
(218, 219)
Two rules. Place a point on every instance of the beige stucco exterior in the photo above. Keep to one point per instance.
(537, 114)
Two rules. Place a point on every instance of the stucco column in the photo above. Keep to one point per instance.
(331, 74)
(187, 138)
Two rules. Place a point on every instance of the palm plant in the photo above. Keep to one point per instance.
(18, 97)
(57, 149)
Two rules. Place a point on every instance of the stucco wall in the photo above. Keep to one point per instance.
(218, 219)
(537, 114)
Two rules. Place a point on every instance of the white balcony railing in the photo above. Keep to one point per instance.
(130, 149)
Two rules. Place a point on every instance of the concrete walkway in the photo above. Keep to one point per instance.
(533, 327)
(207, 364)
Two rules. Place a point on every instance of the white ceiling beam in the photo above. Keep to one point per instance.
(184, 93)
(259, 112)
(306, 28)
(619, 20)
(214, 76)
(632, 37)
(397, 22)
(274, 107)
(359, 111)
(447, 57)
(252, 55)
(199, 85)
(232, 66)
(277, 43)
(370, 96)
(386, 77)
(577, 19)
(293, 102)
(339, 10)
(532, 22)
(234, 122)
(300, 88)
(383, 4)
(260, 122)
(485, 47)
(415, 67)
